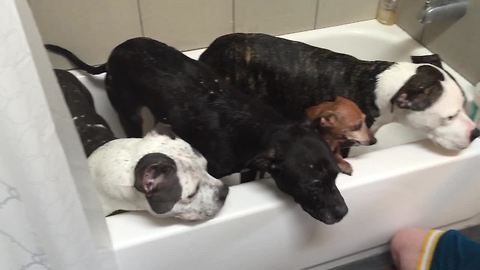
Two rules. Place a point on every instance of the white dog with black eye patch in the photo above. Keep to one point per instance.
(436, 108)
(160, 173)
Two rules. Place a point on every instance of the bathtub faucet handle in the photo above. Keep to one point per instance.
(435, 9)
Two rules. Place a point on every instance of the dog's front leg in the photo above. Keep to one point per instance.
(344, 166)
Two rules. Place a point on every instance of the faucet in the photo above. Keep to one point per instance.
(434, 9)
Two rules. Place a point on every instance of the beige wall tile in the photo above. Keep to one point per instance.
(336, 12)
(407, 12)
(274, 16)
(89, 28)
(458, 42)
(186, 24)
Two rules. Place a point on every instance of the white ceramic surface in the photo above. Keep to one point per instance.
(402, 181)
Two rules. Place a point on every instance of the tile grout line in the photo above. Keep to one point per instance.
(233, 16)
(140, 17)
(316, 15)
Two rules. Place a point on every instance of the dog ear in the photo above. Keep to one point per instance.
(325, 119)
(314, 112)
(328, 119)
(433, 59)
(420, 91)
(152, 172)
(264, 161)
(319, 116)
(162, 129)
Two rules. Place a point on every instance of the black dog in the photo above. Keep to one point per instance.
(91, 127)
(232, 130)
(292, 76)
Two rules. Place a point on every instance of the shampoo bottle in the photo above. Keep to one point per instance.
(386, 11)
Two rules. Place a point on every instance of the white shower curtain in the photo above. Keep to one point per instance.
(49, 213)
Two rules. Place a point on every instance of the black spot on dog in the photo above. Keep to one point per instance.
(433, 59)
(421, 90)
(156, 176)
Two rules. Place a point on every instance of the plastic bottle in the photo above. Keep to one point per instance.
(386, 11)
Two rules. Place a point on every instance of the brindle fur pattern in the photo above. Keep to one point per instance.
(292, 76)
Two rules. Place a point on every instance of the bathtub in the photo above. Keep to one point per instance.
(402, 181)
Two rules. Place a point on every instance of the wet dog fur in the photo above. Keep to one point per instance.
(231, 129)
(292, 76)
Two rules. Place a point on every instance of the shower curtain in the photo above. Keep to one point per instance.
(50, 217)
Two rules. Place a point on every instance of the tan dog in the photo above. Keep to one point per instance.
(342, 122)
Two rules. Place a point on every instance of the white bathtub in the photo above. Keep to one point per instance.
(402, 181)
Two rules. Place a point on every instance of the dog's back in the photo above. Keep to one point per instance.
(145, 72)
(290, 75)
(221, 122)
(91, 127)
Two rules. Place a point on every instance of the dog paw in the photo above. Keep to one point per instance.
(345, 167)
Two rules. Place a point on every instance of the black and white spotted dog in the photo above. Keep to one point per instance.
(292, 76)
(160, 173)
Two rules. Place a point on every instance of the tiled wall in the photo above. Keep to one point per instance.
(92, 28)
(458, 42)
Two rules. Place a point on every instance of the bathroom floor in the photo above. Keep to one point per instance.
(384, 261)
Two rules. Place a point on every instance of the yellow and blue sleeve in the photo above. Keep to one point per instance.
(428, 249)
(449, 250)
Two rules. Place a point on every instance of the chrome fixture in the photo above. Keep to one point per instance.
(436, 9)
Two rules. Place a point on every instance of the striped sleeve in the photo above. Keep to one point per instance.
(428, 249)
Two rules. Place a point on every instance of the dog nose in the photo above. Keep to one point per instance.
(222, 193)
(333, 215)
(373, 141)
(474, 134)
(340, 211)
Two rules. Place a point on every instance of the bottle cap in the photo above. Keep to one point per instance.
(389, 4)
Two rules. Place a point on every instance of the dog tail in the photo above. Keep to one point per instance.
(75, 60)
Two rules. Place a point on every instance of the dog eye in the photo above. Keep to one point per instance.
(357, 127)
(193, 193)
(318, 168)
(165, 170)
(449, 118)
